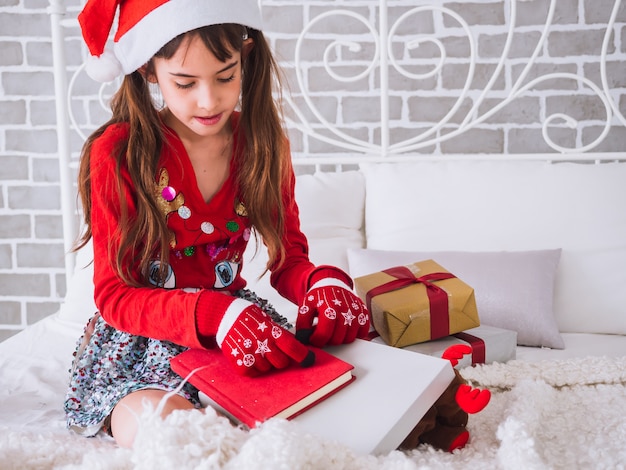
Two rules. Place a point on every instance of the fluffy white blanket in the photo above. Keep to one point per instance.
(553, 414)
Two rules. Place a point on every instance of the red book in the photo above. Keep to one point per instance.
(283, 393)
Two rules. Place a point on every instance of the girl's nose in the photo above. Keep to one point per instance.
(207, 97)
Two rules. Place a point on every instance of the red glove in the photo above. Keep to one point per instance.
(254, 343)
(341, 315)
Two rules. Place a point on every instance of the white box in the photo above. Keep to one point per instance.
(392, 392)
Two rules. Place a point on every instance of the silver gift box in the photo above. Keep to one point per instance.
(500, 345)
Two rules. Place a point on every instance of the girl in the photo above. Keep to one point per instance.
(171, 198)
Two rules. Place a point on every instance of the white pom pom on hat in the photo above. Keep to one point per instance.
(145, 26)
(105, 68)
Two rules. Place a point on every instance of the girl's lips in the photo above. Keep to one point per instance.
(210, 120)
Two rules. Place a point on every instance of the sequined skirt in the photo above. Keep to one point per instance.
(109, 364)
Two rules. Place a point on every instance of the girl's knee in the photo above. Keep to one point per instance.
(125, 416)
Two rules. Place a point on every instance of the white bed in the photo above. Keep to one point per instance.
(551, 407)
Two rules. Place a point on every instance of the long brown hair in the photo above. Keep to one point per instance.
(262, 159)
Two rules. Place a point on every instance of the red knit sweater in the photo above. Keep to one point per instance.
(206, 247)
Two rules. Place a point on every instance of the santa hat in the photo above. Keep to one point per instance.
(145, 26)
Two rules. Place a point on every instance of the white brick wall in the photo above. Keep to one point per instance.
(32, 281)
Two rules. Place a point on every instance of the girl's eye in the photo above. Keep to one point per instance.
(184, 86)
(226, 80)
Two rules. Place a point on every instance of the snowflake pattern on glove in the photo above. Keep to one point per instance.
(248, 361)
(249, 339)
(262, 348)
(348, 316)
(328, 316)
(330, 313)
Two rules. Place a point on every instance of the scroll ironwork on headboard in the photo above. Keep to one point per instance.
(384, 59)
(392, 44)
(401, 63)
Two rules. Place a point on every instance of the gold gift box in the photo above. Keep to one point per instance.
(404, 315)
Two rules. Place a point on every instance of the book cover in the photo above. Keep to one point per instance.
(283, 393)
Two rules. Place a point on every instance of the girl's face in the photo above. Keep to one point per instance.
(200, 91)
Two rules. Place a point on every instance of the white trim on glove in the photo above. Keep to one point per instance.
(330, 281)
(230, 316)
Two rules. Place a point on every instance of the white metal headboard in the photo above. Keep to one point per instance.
(384, 59)
(382, 34)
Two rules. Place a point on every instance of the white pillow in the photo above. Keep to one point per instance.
(332, 207)
(514, 206)
(514, 290)
(79, 304)
(332, 212)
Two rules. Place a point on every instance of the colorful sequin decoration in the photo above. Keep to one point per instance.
(207, 227)
(184, 212)
(232, 226)
(168, 193)
(240, 209)
(167, 198)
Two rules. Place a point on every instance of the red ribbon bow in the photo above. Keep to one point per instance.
(438, 298)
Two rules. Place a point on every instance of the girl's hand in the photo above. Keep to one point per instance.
(255, 344)
(341, 315)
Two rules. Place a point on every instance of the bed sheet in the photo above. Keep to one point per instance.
(34, 372)
(34, 368)
(577, 345)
